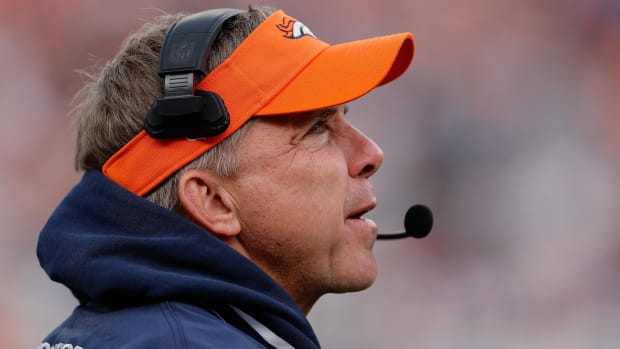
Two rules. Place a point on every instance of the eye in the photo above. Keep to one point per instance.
(318, 127)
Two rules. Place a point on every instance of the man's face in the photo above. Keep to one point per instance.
(300, 191)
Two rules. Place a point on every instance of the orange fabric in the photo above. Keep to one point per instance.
(276, 70)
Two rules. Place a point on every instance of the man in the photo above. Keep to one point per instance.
(176, 238)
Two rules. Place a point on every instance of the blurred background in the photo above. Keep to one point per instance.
(507, 125)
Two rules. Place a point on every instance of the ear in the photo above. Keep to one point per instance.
(206, 201)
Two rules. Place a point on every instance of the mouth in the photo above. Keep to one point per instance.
(361, 211)
(361, 226)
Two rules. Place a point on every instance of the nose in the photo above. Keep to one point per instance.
(366, 156)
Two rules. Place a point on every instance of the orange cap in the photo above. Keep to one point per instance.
(280, 68)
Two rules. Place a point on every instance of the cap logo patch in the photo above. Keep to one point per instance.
(294, 29)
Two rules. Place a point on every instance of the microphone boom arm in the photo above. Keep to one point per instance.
(418, 224)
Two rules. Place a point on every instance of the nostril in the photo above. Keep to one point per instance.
(367, 171)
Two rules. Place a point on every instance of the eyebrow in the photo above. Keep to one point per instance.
(331, 110)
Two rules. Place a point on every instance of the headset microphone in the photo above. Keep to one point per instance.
(418, 224)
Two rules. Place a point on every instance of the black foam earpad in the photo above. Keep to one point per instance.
(194, 117)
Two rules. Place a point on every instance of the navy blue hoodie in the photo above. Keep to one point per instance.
(147, 278)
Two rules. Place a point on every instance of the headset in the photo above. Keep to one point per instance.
(183, 111)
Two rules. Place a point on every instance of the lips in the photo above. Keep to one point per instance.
(359, 212)
(364, 228)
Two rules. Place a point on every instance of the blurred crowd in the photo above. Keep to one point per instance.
(507, 125)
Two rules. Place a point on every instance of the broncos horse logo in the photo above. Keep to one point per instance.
(294, 29)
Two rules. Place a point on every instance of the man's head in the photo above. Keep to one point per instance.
(288, 182)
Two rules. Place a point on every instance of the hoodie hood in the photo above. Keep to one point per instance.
(114, 249)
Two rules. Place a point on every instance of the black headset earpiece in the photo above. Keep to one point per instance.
(183, 112)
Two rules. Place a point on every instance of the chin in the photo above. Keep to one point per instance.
(363, 278)
(353, 287)
(363, 285)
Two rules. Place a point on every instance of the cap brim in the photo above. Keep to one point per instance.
(342, 73)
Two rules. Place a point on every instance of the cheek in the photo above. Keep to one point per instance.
(307, 181)
(297, 190)
(320, 193)
(300, 207)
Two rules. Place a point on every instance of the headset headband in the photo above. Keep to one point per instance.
(181, 112)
